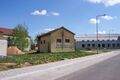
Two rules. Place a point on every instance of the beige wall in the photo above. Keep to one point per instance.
(62, 47)
(44, 46)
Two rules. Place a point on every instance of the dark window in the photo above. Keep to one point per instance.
(87, 40)
(83, 45)
(88, 45)
(44, 41)
(118, 45)
(99, 45)
(103, 45)
(41, 41)
(59, 41)
(113, 45)
(108, 45)
(67, 40)
(82, 40)
(93, 45)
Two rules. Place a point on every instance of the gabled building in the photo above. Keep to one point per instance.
(58, 40)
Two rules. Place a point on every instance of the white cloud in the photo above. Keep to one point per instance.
(55, 13)
(101, 32)
(44, 12)
(94, 21)
(39, 12)
(95, 1)
(107, 17)
(49, 29)
(105, 2)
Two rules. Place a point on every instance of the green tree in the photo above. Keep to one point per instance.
(20, 35)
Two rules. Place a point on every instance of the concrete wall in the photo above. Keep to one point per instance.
(63, 46)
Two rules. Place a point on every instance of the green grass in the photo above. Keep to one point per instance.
(39, 58)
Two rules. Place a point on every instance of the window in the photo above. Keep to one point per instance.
(44, 41)
(41, 41)
(67, 40)
(99, 45)
(82, 40)
(83, 45)
(87, 40)
(118, 45)
(113, 45)
(93, 45)
(92, 40)
(108, 45)
(103, 45)
(59, 41)
(88, 45)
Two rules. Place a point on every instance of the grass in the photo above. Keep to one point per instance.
(102, 50)
(16, 61)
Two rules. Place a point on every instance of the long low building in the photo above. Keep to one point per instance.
(89, 41)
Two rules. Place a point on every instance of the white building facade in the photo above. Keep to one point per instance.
(3, 47)
(89, 41)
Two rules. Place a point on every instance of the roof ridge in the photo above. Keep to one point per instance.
(55, 30)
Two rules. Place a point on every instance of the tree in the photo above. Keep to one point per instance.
(20, 35)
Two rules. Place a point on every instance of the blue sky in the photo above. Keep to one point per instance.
(76, 15)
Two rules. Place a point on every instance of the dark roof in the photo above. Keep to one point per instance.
(6, 31)
(48, 33)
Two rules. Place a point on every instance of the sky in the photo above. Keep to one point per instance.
(76, 15)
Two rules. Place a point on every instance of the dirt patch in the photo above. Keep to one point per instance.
(25, 64)
(6, 66)
(14, 50)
